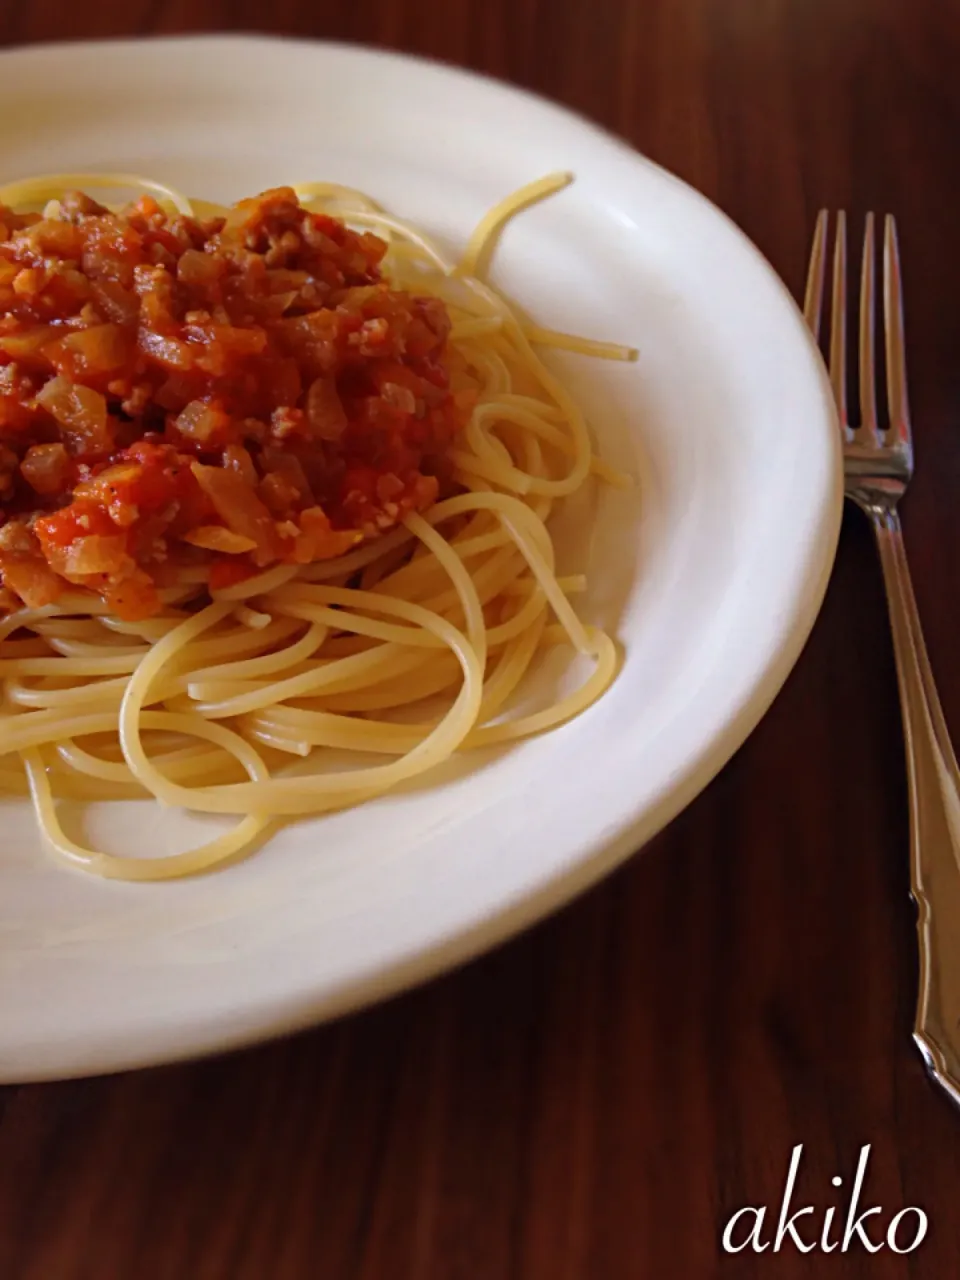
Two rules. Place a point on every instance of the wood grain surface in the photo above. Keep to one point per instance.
(594, 1100)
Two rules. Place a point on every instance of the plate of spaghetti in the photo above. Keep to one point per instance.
(409, 499)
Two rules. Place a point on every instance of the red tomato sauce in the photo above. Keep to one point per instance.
(235, 392)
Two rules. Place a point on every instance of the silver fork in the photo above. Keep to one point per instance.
(878, 466)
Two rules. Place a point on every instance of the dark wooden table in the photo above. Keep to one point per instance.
(595, 1100)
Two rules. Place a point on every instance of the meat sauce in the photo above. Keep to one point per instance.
(235, 392)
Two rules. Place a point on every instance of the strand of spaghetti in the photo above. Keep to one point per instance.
(442, 676)
(355, 672)
(524, 619)
(13, 777)
(544, 574)
(567, 708)
(435, 678)
(468, 464)
(256, 694)
(298, 794)
(354, 561)
(496, 379)
(374, 666)
(275, 743)
(123, 664)
(351, 598)
(547, 431)
(102, 693)
(548, 412)
(34, 728)
(132, 719)
(182, 595)
(506, 475)
(333, 191)
(489, 576)
(532, 602)
(72, 628)
(489, 579)
(462, 583)
(150, 629)
(484, 443)
(480, 433)
(24, 618)
(428, 680)
(242, 642)
(523, 528)
(294, 794)
(254, 668)
(68, 647)
(534, 462)
(75, 788)
(474, 259)
(479, 535)
(571, 584)
(217, 851)
(75, 602)
(345, 646)
(381, 568)
(511, 667)
(489, 502)
(384, 221)
(259, 585)
(581, 346)
(416, 579)
(535, 366)
(52, 186)
(250, 617)
(339, 733)
(108, 770)
(188, 762)
(83, 762)
(475, 327)
(489, 582)
(99, 766)
(342, 619)
(501, 412)
(295, 729)
(497, 504)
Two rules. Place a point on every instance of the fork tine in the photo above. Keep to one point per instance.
(838, 320)
(868, 373)
(813, 297)
(893, 328)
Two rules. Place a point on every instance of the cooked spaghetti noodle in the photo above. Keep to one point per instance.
(228, 695)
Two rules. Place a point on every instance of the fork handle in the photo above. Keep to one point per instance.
(934, 783)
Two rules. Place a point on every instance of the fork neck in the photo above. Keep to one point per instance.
(878, 500)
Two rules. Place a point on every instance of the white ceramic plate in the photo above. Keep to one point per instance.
(711, 574)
